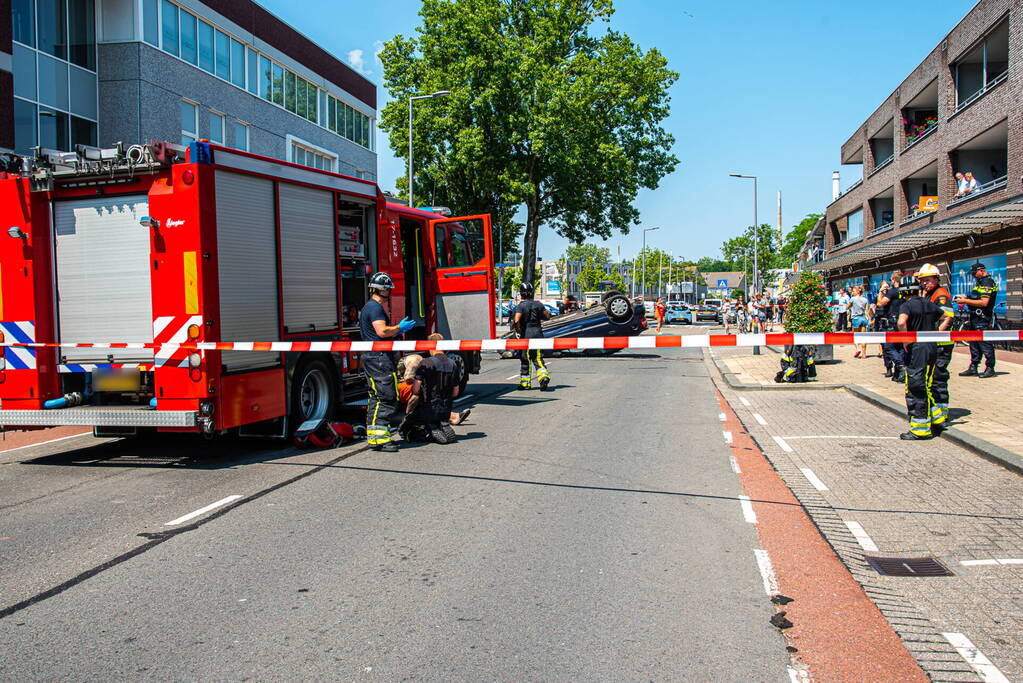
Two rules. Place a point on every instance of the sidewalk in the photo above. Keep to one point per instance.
(983, 408)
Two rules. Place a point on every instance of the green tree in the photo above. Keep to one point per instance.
(590, 276)
(585, 252)
(807, 307)
(543, 114)
(734, 248)
(713, 265)
(795, 237)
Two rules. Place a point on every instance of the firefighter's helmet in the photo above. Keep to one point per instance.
(526, 290)
(381, 281)
(928, 270)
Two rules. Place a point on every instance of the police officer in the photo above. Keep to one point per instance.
(981, 303)
(888, 303)
(918, 314)
(381, 366)
(527, 318)
(930, 280)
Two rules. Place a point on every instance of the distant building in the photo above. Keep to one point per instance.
(722, 284)
(559, 278)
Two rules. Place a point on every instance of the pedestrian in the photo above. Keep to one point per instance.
(659, 313)
(918, 314)
(981, 304)
(888, 303)
(843, 311)
(858, 305)
(780, 308)
(769, 313)
(529, 315)
(754, 314)
(930, 280)
(728, 314)
(381, 366)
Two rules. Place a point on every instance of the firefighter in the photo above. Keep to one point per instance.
(930, 280)
(981, 303)
(381, 366)
(885, 319)
(918, 314)
(527, 318)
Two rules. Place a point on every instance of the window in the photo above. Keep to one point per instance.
(265, 79)
(289, 92)
(83, 93)
(216, 127)
(24, 126)
(307, 155)
(982, 67)
(24, 72)
(189, 122)
(222, 55)
(855, 229)
(150, 22)
(53, 82)
(332, 114)
(459, 243)
(169, 27)
(205, 47)
(23, 18)
(51, 16)
(241, 136)
(311, 97)
(189, 43)
(300, 97)
(53, 129)
(278, 85)
(237, 63)
(82, 28)
(82, 132)
(253, 76)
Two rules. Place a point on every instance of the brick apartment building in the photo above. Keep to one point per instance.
(959, 110)
(96, 72)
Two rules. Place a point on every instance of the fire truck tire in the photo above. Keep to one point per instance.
(463, 372)
(618, 308)
(313, 392)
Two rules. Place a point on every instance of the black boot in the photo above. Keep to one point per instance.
(988, 372)
(888, 371)
(969, 372)
(910, 436)
(900, 374)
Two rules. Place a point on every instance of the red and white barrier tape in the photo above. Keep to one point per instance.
(561, 343)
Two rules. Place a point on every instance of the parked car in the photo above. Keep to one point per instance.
(709, 309)
(678, 313)
(615, 316)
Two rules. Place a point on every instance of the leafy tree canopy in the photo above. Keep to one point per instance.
(585, 252)
(543, 114)
(795, 238)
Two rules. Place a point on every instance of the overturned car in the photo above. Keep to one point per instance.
(614, 316)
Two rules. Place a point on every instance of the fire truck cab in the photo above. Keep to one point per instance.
(157, 243)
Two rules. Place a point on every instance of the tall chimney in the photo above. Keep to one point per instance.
(779, 221)
(835, 185)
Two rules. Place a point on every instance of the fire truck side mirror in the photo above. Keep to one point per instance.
(17, 233)
(149, 222)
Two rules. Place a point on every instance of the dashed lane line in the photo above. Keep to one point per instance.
(464, 398)
(43, 443)
(813, 479)
(747, 509)
(981, 563)
(512, 377)
(744, 401)
(782, 444)
(865, 541)
(721, 416)
(760, 418)
(735, 464)
(202, 510)
(728, 436)
(988, 672)
(840, 436)
(767, 572)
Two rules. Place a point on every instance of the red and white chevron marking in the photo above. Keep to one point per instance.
(173, 349)
(168, 334)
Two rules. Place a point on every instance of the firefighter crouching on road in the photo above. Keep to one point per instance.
(981, 303)
(381, 366)
(918, 314)
(527, 318)
(930, 280)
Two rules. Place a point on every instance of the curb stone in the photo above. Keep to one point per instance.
(935, 656)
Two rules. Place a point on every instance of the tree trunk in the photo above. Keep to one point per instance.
(529, 246)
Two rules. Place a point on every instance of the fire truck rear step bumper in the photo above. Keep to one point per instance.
(99, 417)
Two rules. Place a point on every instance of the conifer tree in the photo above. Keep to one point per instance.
(807, 308)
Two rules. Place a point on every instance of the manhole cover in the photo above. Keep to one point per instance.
(907, 566)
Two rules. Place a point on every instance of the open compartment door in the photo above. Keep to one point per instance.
(463, 255)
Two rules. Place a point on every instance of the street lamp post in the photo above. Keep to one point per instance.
(439, 93)
(756, 244)
(645, 231)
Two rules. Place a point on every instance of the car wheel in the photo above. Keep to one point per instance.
(618, 308)
(608, 294)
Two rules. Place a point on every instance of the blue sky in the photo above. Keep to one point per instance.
(767, 89)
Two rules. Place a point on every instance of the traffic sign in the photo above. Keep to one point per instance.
(722, 284)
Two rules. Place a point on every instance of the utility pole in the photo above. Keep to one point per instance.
(660, 269)
(779, 221)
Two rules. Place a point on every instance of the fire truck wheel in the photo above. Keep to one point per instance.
(618, 308)
(463, 372)
(313, 391)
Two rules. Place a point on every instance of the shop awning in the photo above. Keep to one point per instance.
(1003, 212)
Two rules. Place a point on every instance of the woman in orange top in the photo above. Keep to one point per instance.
(659, 314)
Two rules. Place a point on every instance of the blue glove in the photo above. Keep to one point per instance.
(406, 325)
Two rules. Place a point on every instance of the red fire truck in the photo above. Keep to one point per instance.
(157, 243)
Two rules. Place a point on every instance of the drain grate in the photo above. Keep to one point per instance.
(907, 566)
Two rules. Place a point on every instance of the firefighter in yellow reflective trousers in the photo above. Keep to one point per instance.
(527, 320)
(919, 314)
(930, 280)
(381, 366)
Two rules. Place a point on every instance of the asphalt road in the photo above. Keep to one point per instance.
(588, 533)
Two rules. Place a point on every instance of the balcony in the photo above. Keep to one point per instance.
(991, 185)
(983, 161)
(920, 114)
(982, 68)
(916, 187)
(882, 210)
(882, 146)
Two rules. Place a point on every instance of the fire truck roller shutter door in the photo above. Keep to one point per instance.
(103, 283)
(247, 266)
(307, 259)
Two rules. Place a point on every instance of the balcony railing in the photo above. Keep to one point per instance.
(913, 215)
(883, 227)
(995, 184)
(980, 93)
(920, 136)
(851, 187)
(881, 164)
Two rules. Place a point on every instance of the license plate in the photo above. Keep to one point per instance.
(117, 380)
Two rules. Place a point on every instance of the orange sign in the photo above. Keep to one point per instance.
(928, 204)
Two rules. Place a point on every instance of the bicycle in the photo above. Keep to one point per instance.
(742, 321)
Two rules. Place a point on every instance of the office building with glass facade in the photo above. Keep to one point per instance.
(97, 72)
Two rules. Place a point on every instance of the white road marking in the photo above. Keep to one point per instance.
(861, 537)
(977, 563)
(781, 444)
(721, 416)
(975, 658)
(747, 510)
(813, 479)
(512, 377)
(745, 401)
(767, 572)
(798, 676)
(760, 418)
(728, 437)
(735, 464)
(43, 443)
(202, 510)
(841, 436)
(464, 398)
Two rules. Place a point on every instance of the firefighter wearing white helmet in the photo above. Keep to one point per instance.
(930, 280)
(381, 366)
(918, 314)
